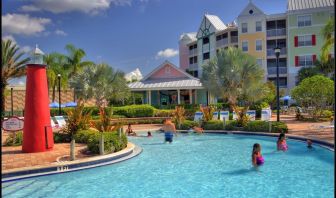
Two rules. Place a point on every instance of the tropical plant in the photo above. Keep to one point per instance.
(326, 67)
(179, 115)
(329, 39)
(234, 75)
(12, 66)
(74, 59)
(207, 112)
(317, 92)
(306, 72)
(77, 119)
(56, 65)
(100, 82)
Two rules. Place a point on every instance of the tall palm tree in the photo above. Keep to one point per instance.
(12, 66)
(328, 35)
(74, 58)
(56, 65)
(234, 75)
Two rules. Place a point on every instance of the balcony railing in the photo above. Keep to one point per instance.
(193, 66)
(234, 39)
(222, 42)
(270, 52)
(276, 32)
(281, 64)
(272, 70)
(193, 52)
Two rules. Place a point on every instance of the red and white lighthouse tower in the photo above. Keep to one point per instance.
(37, 132)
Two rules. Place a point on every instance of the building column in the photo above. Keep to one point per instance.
(178, 97)
(149, 97)
(190, 96)
(159, 99)
(195, 96)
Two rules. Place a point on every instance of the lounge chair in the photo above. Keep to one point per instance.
(215, 115)
(52, 123)
(251, 114)
(224, 114)
(198, 116)
(60, 121)
(322, 127)
(265, 114)
(234, 116)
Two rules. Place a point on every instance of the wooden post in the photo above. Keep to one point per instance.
(178, 97)
(190, 96)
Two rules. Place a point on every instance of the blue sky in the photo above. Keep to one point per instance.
(126, 34)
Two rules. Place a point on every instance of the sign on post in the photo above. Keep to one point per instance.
(13, 124)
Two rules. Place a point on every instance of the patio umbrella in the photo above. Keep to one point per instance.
(71, 104)
(55, 105)
(286, 98)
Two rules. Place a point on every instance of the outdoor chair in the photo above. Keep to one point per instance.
(52, 123)
(198, 116)
(224, 114)
(318, 128)
(60, 121)
(215, 115)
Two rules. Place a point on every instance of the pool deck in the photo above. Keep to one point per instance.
(13, 157)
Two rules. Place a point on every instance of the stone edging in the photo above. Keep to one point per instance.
(61, 167)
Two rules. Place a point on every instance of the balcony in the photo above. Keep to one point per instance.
(222, 42)
(234, 39)
(270, 51)
(276, 32)
(193, 52)
(272, 70)
(193, 67)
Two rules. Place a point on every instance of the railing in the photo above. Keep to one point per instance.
(192, 52)
(276, 32)
(193, 66)
(222, 42)
(234, 39)
(270, 52)
(273, 64)
(272, 70)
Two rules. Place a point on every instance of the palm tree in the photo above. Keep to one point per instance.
(12, 66)
(234, 75)
(325, 66)
(328, 35)
(56, 65)
(74, 59)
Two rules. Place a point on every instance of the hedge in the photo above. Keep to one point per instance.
(133, 111)
(163, 112)
(214, 125)
(187, 124)
(112, 142)
(17, 141)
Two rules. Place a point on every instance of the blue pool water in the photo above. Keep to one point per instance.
(195, 166)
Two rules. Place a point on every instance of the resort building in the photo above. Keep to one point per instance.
(297, 32)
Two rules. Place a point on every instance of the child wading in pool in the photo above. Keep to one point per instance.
(169, 129)
(257, 158)
(281, 143)
(309, 144)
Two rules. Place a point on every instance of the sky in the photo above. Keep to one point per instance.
(126, 34)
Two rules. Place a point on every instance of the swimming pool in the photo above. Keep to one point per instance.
(212, 165)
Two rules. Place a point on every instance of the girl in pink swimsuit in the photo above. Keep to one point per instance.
(281, 143)
(257, 159)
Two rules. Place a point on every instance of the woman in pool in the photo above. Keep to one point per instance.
(281, 143)
(149, 134)
(169, 129)
(257, 159)
(309, 144)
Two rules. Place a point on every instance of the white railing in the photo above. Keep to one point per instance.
(193, 52)
(222, 42)
(193, 66)
(270, 52)
(276, 32)
(273, 70)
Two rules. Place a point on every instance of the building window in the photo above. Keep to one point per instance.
(167, 70)
(259, 61)
(258, 45)
(244, 27)
(219, 37)
(245, 46)
(258, 26)
(304, 20)
(305, 40)
(193, 47)
(193, 60)
(205, 40)
(306, 60)
(206, 56)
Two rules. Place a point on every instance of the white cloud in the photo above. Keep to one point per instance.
(60, 32)
(26, 49)
(167, 53)
(23, 24)
(61, 6)
(9, 37)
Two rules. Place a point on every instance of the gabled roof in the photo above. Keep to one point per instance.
(250, 6)
(212, 23)
(294, 5)
(216, 22)
(166, 62)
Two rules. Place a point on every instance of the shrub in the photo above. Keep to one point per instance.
(258, 125)
(14, 141)
(132, 111)
(83, 136)
(278, 127)
(327, 114)
(60, 137)
(231, 125)
(55, 111)
(163, 113)
(112, 142)
(258, 107)
(214, 125)
(187, 124)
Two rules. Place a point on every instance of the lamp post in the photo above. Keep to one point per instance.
(277, 54)
(59, 93)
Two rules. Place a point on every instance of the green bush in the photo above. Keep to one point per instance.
(83, 136)
(231, 125)
(133, 111)
(214, 125)
(163, 113)
(327, 114)
(55, 111)
(258, 125)
(17, 141)
(278, 127)
(60, 137)
(258, 107)
(112, 142)
(187, 124)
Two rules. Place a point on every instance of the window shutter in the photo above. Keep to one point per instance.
(314, 58)
(313, 39)
(296, 41)
(296, 61)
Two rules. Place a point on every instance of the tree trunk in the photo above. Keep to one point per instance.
(72, 150)
(101, 144)
(53, 93)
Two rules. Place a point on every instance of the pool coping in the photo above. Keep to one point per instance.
(58, 167)
(322, 143)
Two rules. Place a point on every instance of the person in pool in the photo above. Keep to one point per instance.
(169, 129)
(257, 158)
(149, 134)
(281, 143)
(130, 131)
(309, 144)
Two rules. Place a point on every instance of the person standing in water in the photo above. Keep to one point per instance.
(169, 129)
